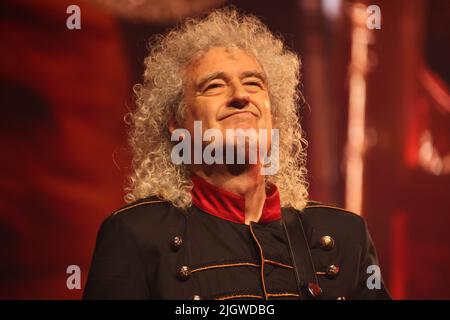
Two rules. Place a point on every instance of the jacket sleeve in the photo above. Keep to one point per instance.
(116, 270)
(370, 282)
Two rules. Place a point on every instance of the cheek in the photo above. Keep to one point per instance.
(195, 111)
(203, 111)
(209, 108)
(267, 113)
(191, 115)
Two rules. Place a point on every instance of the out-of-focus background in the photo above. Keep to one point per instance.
(378, 125)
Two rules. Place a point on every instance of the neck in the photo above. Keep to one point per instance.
(245, 181)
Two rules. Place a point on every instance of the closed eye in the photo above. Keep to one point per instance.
(214, 85)
(254, 84)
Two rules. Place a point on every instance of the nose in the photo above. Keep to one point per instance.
(239, 98)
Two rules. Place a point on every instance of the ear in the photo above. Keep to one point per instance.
(172, 125)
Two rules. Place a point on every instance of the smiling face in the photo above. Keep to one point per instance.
(226, 90)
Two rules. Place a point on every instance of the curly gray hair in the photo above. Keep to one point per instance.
(160, 97)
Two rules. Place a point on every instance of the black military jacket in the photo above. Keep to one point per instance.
(153, 250)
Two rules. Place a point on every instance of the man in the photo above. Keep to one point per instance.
(225, 229)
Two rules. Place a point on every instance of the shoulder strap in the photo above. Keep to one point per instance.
(305, 273)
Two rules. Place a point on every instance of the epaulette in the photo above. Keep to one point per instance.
(317, 204)
(138, 203)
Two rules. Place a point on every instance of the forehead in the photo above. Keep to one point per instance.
(220, 59)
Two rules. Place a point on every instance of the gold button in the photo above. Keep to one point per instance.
(332, 271)
(176, 243)
(326, 243)
(183, 273)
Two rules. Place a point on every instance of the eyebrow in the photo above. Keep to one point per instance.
(222, 75)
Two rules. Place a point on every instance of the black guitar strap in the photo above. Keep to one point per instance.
(305, 273)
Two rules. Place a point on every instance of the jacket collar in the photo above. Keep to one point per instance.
(229, 206)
